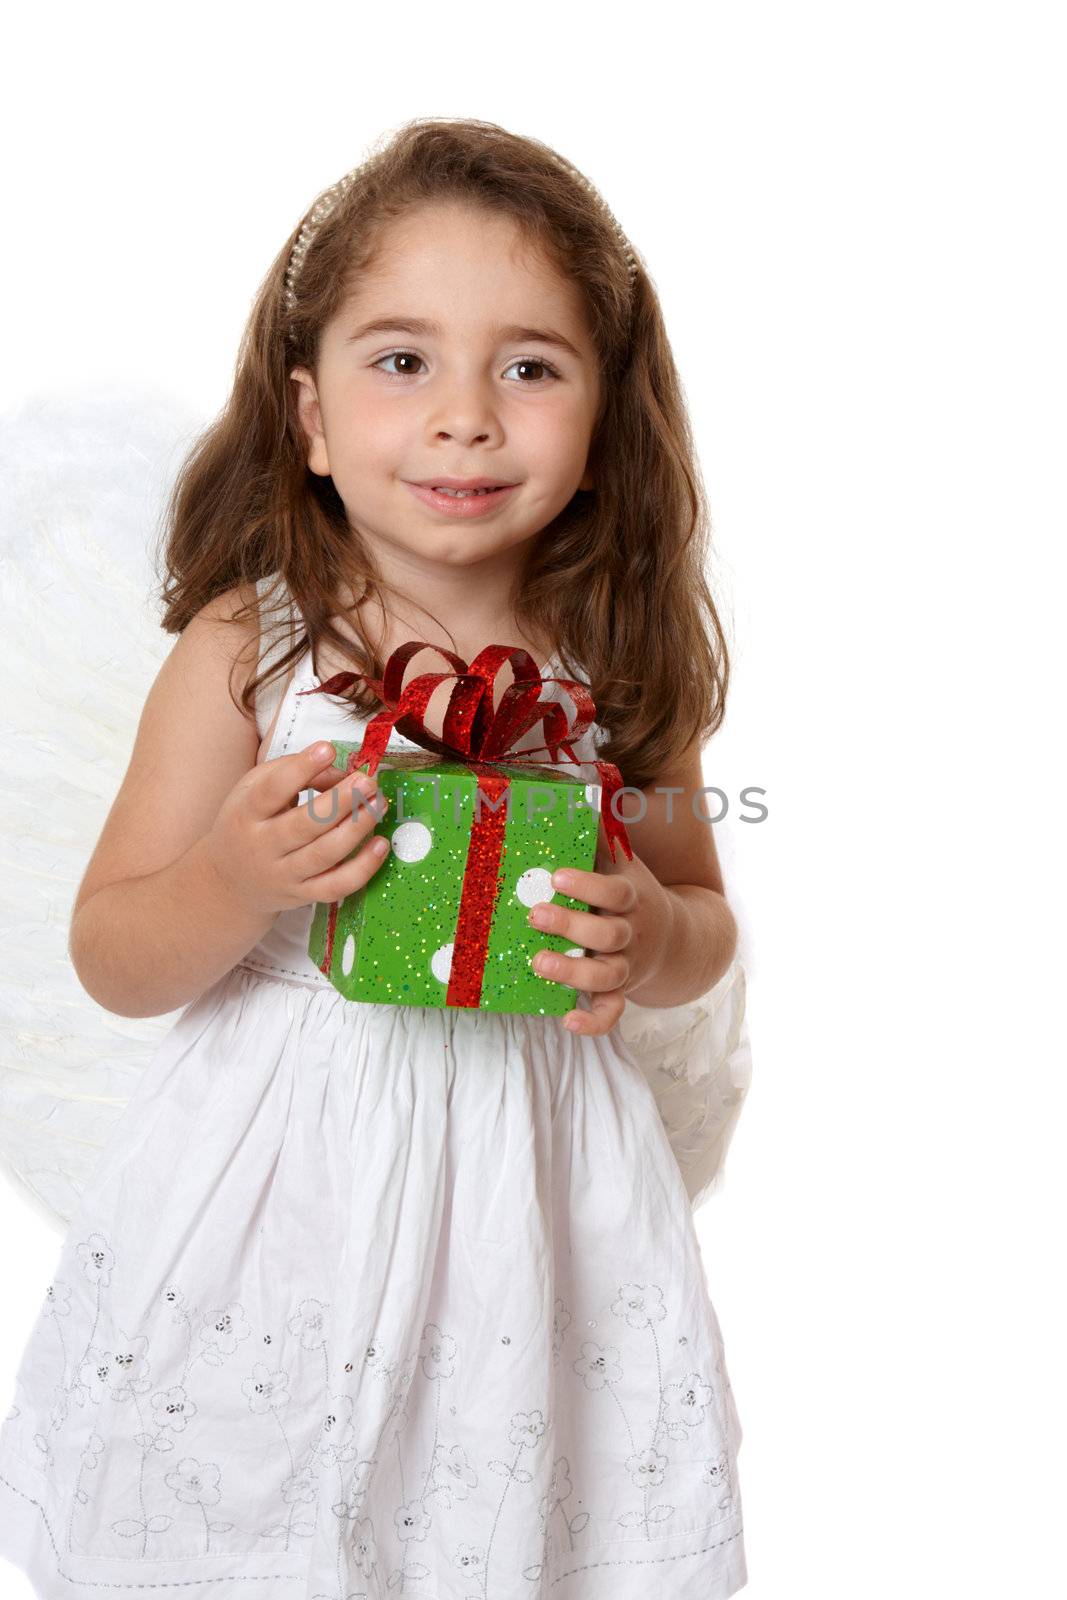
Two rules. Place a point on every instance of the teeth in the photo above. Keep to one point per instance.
(460, 494)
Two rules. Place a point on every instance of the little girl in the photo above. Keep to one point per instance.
(373, 1298)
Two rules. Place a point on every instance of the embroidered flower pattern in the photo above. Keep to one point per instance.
(143, 1395)
(682, 1409)
(561, 1321)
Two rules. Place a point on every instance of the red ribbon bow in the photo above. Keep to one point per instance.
(473, 731)
(482, 738)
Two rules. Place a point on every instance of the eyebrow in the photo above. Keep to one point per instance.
(420, 328)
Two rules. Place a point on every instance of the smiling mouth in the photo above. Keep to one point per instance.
(461, 502)
(462, 494)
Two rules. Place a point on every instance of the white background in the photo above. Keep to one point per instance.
(854, 216)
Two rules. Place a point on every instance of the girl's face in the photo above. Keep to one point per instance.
(478, 364)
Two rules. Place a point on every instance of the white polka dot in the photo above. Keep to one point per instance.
(575, 950)
(411, 841)
(348, 954)
(535, 887)
(441, 963)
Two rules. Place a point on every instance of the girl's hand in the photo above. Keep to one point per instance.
(275, 854)
(628, 919)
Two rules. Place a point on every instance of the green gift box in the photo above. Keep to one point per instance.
(434, 921)
(476, 829)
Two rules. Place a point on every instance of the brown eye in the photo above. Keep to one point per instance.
(539, 368)
(398, 355)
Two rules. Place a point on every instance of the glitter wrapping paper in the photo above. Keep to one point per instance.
(443, 920)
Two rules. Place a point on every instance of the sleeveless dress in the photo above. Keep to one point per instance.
(365, 1300)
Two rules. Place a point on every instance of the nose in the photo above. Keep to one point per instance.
(465, 411)
(463, 435)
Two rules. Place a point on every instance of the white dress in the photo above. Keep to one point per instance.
(362, 1300)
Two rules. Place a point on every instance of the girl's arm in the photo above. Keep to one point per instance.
(202, 847)
(153, 925)
(677, 847)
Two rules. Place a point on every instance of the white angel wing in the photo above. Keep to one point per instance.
(698, 1061)
(82, 484)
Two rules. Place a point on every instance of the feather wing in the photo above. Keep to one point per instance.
(697, 1060)
(83, 481)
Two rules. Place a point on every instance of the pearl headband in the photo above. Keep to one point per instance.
(329, 199)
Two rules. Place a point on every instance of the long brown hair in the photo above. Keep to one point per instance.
(617, 580)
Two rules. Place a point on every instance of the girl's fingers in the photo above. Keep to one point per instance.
(331, 803)
(328, 778)
(338, 822)
(603, 1013)
(326, 840)
(591, 973)
(610, 891)
(591, 928)
(350, 874)
(277, 785)
(356, 796)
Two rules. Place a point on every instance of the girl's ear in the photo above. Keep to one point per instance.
(309, 414)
